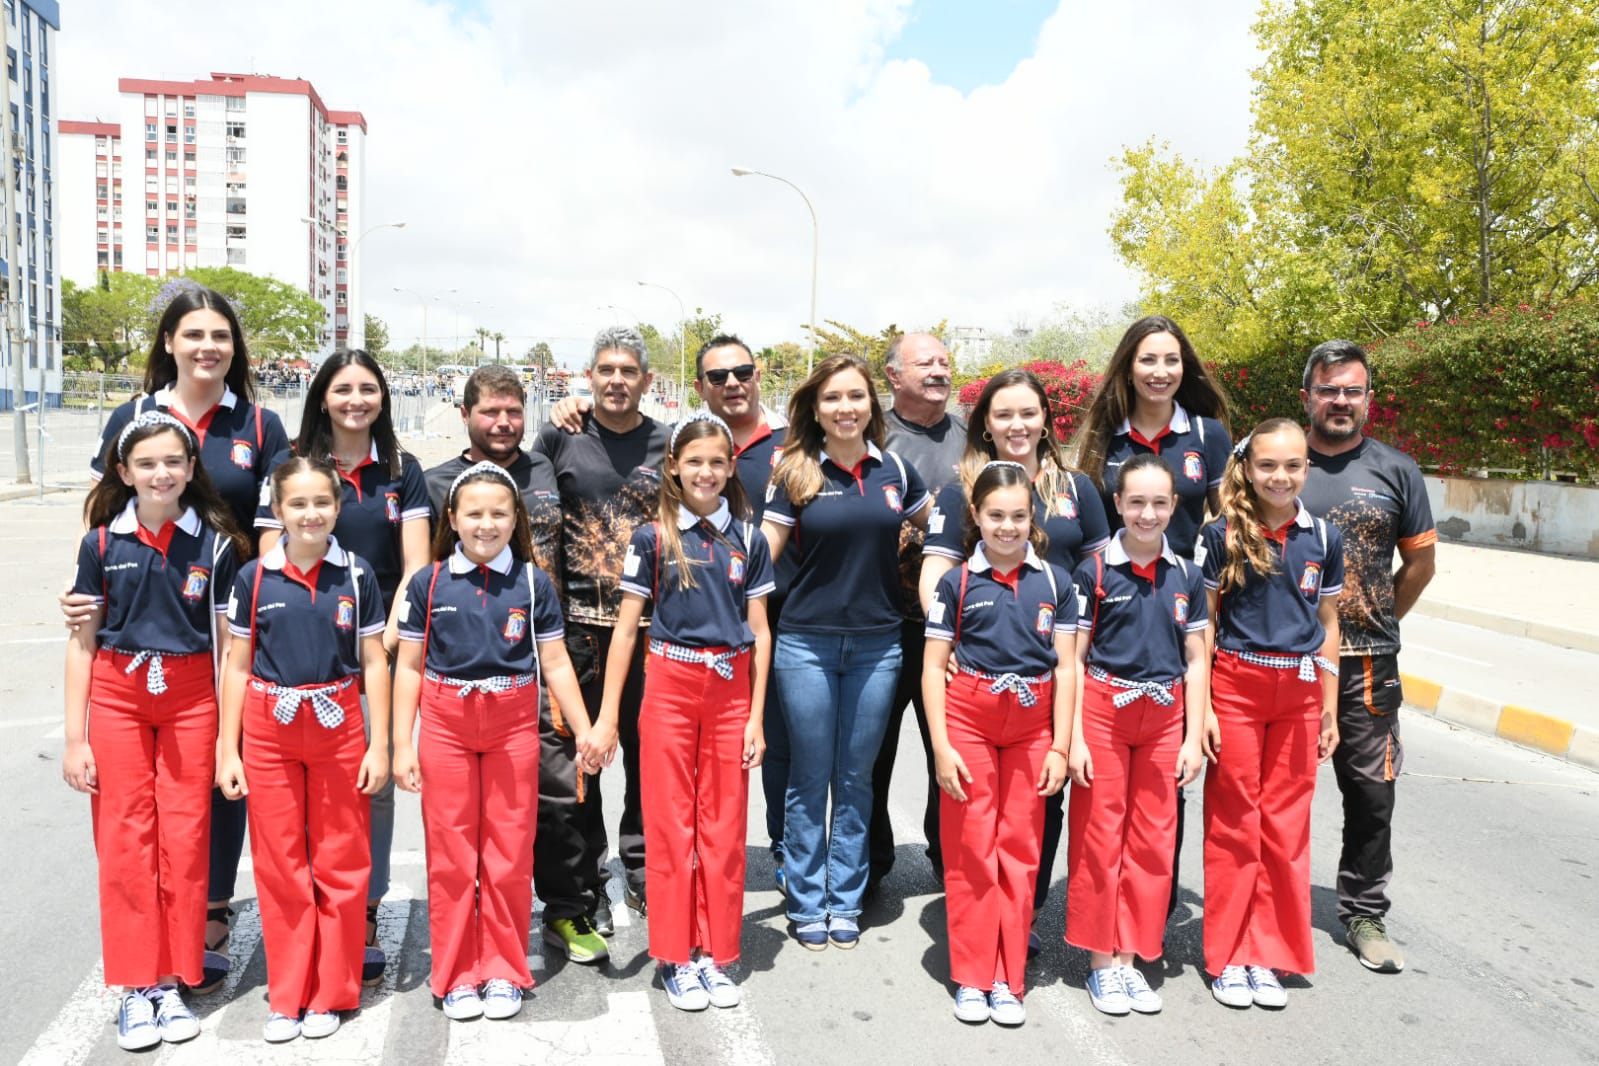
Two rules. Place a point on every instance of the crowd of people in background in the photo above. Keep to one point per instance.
(271, 633)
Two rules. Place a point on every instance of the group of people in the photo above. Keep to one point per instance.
(737, 590)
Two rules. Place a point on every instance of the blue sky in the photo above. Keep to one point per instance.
(966, 44)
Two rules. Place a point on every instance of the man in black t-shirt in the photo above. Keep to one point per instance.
(923, 433)
(1374, 494)
(608, 476)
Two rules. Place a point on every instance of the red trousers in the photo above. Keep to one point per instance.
(991, 842)
(308, 840)
(1123, 826)
(156, 758)
(480, 796)
(696, 790)
(1257, 818)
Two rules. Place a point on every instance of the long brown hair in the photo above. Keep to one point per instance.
(1002, 475)
(445, 537)
(1054, 472)
(1246, 542)
(110, 495)
(800, 469)
(1113, 402)
(670, 501)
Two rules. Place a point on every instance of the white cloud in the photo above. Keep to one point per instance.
(546, 156)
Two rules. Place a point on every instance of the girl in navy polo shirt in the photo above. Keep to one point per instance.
(1000, 730)
(706, 571)
(478, 628)
(1273, 575)
(383, 518)
(1141, 639)
(141, 712)
(307, 622)
(1011, 420)
(837, 655)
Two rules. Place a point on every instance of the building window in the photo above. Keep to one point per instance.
(233, 103)
(152, 232)
(188, 158)
(152, 206)
(172, 131)
(150, 157)
(188, 135)
(152, 183)
(172, 156)
(188, 108)
(100, 190)
(172, 105)
(236, 233)
(235, 155)
(235, 128)
(235, 255)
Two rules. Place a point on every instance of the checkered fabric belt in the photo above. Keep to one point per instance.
(328, 712)
(1159, 691)
(1008, 682)
(497, 683)
(720, 661)
(155, 678)
(1305, 664)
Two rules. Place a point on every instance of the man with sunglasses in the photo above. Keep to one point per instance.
(1374, 494)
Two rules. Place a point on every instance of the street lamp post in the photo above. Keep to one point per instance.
(359, 330)
(816, 240)
(423, 301)
(682, 345)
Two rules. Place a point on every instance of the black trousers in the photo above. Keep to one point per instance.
(1366, 765)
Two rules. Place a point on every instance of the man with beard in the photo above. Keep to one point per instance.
(609, 476)
(1376, 497)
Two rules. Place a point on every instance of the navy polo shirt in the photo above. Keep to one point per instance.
(1007, 622)
(1276, 613)
(755, 462)
(847, 573)
(157, 597)
(307, 626)
(1142, 625)
(1195, 448)
(1074, 522)
(478, 623)
(737, 568)
(235, 458)
(373, 503)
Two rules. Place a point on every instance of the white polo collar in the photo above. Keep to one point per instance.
(1302, 517)
(871, 450)
(500, 564)
(1115, 554)
(373, 455)
(274, 559)
(979, 563)
(720, 518)
(163, 398)
(128, 520)
(1179, 421)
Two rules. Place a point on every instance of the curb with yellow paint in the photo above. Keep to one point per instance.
(1519, 725)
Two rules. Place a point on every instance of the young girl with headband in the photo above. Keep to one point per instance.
(1273, 575)
(308, 623)
(141, 712)
(1000, 729)
(478, 630)
(706, 571)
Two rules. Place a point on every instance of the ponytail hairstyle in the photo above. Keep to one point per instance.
(110, 495)
(699, 426)
(445, 538)
(316, 426)
(1002, 474)
(1240, 508)
(800, 469)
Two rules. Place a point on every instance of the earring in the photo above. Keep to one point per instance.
(987, 436)
(324, 408)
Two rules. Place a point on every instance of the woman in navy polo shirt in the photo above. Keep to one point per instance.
(1011, 420)
(383, 518)
(837, 656)
(1273, 575)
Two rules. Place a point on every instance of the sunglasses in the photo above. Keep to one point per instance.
(744, 372)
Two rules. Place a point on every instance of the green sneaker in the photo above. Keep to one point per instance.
(1368, 939)
(578, 938)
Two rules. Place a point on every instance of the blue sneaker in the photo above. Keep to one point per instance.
(780, 876)
(971, 1005)
(501, 999)
(812, 935)
(280, 1028)
(843, 932)
(136, 1022)
(1106, 992)
(684, 989)
(462, 1003)
(1003, 1006)
(173, 1018)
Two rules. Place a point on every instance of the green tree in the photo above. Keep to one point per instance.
(377, 336)
(108, 322)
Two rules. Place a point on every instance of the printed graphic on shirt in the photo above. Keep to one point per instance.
(345, 619)
(515, 625)
(194, 585)
(1065, 506)
(1045, 621)
(892, 494)
(391, 505)
(735, 568)
(1193, 466)
(243, 455)
(1310, 581)
(1179, 608)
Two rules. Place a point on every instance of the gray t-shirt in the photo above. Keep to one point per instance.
(935, 452)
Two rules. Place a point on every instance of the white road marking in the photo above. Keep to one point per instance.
(623, 1036)
(68, 1039)
(739, 1036)
(62, 639)
(404, 857)
(51, 719)
(1085, 1036)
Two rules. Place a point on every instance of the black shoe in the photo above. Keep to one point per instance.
(215, 965)
(604, 924)
(634, 898)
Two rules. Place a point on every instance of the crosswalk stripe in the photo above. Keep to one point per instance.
(70, 1037)
(623, 1036)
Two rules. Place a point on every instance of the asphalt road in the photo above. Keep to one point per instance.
(1495, 906)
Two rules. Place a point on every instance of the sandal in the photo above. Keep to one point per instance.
(373, 961)
(215, 964)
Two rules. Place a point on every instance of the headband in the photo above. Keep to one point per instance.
(1004, 462)
(697, 416)
(147, 420)
(1242, 446)
(494, 470)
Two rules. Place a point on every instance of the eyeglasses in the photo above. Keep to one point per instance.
(1329, 393)
(718, 378)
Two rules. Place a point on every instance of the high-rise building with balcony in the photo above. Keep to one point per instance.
(231, 169)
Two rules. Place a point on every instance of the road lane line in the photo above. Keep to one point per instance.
(72, 1034)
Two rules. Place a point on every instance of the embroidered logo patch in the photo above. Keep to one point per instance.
(1065, 506)
(735, 569)
(515, 625)
(194, 584)
(1045, 620)
(892, 494)
(1310, 582)
(345, 618)
(1179, 609)
(1193, 466)
(243, 455)
(391, 504)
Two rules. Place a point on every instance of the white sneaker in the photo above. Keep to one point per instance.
(319, 1023)
(501, 1000)
(280, 1028)
(462, 1003)
(971, 1005)
(1140, 997)
(719, 986)
(1265, 989)
(1105, 991)
(684, 989)
(1003, 1006)
(173, 1018)
(136, 1028)
(1231, 987)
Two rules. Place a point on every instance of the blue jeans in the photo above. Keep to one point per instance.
(835, 693)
